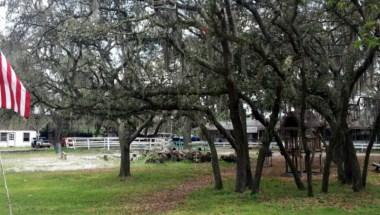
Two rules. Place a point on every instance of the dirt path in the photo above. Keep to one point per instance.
(166, 200)
(163, 201)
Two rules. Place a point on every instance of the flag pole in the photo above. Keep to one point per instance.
(14, 95)
(6, 186)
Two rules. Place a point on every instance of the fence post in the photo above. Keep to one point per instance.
(108, 143)
(74, 143)
(88, 143)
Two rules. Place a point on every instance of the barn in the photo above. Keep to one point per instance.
(254, 130)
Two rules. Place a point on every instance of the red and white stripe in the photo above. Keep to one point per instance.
(13, 94)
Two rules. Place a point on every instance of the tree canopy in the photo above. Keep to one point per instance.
(219, 58)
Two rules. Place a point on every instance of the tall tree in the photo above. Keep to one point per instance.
(128, 132)
(324, 37)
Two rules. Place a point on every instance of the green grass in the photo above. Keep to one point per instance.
(280, 197)
(101, 192)
(92, 192)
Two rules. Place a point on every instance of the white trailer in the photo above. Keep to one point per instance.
(17, 138)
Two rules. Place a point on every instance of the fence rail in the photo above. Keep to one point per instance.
(359, 145)
(362, 145)
(227, 145)
(142, 143)
(113, 142)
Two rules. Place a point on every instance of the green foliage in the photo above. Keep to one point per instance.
(330, 3)
(368, 35)
(338, 4)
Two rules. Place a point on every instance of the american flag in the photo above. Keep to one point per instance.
(13, 94)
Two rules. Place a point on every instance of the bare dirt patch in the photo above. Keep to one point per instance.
(53, 162)
(163, 201)
(278, 166)
(166, 200)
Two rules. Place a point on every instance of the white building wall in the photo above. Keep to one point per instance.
(15, 138)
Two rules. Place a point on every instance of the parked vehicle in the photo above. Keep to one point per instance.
(40, 142)
(65, 142)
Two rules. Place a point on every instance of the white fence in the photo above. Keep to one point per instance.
(362, 145)
(113, 142)
(227, 145)
(142, 143)
(359, 145)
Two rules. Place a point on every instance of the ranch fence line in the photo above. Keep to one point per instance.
(109, 143)
(143, 143)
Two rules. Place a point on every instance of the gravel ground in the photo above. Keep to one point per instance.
(50, 161)
(53, 162)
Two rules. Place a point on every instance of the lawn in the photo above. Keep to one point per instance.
(279, 197)
(101, 192)
(92, 192)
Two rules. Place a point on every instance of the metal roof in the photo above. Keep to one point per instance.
(252, 126)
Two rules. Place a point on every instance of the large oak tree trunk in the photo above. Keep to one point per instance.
(249, 183)
(331, 151)
(260, 162)
(241, 171)
(352, 172)
(308, 161)
(269, 133)
(326, 169)
(352, 166)
(302, 134)
(126, 137)
(243, 167)
(267, 125)
(375, 131)
(309, 173)
(125, 142)
(288, 160)
(341, 149)
(214, 159)
(243, 116)
(125, 162)
(186, 133)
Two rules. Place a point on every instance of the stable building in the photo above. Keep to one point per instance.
(17, 138)
(254, 130)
